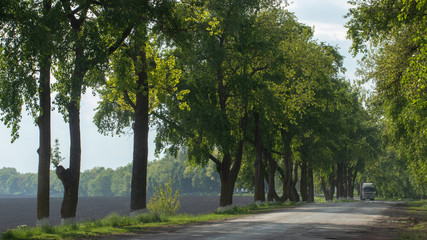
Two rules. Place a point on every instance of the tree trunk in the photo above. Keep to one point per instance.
(75, 160)
(332, 184)
(339, 181)
(229, 169)
(325, 190)
(344, 182)
(272, 166)
(259, 193)
(310, 185)
(329, 192)
(227, 184)
(350, 182)
(295, 196)
(70, 177)
(227, 188)
(44, 124)
(287, 181)
(43, 186)
(141, 128)
(303, 183)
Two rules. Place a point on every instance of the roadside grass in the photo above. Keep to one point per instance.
(416, 227)
(319, 199)
(115, 224)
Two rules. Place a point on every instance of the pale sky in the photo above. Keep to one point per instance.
(325, 16)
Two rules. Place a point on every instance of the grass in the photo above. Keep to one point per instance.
(318, 199)
(416, 227)
(115, 224)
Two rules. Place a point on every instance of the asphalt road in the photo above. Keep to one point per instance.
(352, 220)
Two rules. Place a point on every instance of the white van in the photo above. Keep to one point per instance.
(367, 191)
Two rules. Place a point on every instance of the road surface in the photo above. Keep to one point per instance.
(350, 220)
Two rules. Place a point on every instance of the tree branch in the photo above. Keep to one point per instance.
(119, 41)
(258, 69)
(67, 7)
(128, 100)
(215, 160)
(276, 152)
(239, 153)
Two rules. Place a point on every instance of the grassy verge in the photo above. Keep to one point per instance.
(322, 200)
(115, 224)
(416, 225)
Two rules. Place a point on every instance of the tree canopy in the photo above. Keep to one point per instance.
(392, 37)
(238, 88)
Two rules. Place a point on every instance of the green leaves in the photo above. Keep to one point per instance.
(56, 157)
(164, 201)
(116, 109)
(397, 64)
(21, 52)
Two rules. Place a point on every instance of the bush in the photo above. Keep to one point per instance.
(115, 220)
(21, 232)
(149, 218)
(164, 202)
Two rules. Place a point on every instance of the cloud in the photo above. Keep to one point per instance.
(329, 11)
(300, 4)
(328, 31)
(327, 17)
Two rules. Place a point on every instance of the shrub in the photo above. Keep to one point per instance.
(115, 220)
(164, 202)
(149, 218)
(20, 232)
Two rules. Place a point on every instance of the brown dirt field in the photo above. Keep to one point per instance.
(22, 211)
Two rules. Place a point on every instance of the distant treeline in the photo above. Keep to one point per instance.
(388, 174)
(101, 181)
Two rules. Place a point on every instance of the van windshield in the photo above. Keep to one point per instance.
(369, 189)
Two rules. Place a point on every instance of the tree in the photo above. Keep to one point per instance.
(188, 179)
(95, 30)
(392, 37)
(391, 176)
(120, 181)
(101, 184)
(301, 84)
(218, 71)
(274, 29)
(30, 32)
(5, 174)
(140, 75)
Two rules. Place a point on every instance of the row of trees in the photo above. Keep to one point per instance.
(391, 36)
(219, 77)
(389, 173)
(240, 84)
(101, 181)
(73, 41)
(262, 92)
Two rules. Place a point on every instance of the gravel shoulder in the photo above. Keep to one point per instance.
(400, 222)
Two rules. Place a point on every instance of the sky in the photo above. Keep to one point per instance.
(327, 18)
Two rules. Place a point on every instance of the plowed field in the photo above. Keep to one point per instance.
(22, 211)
